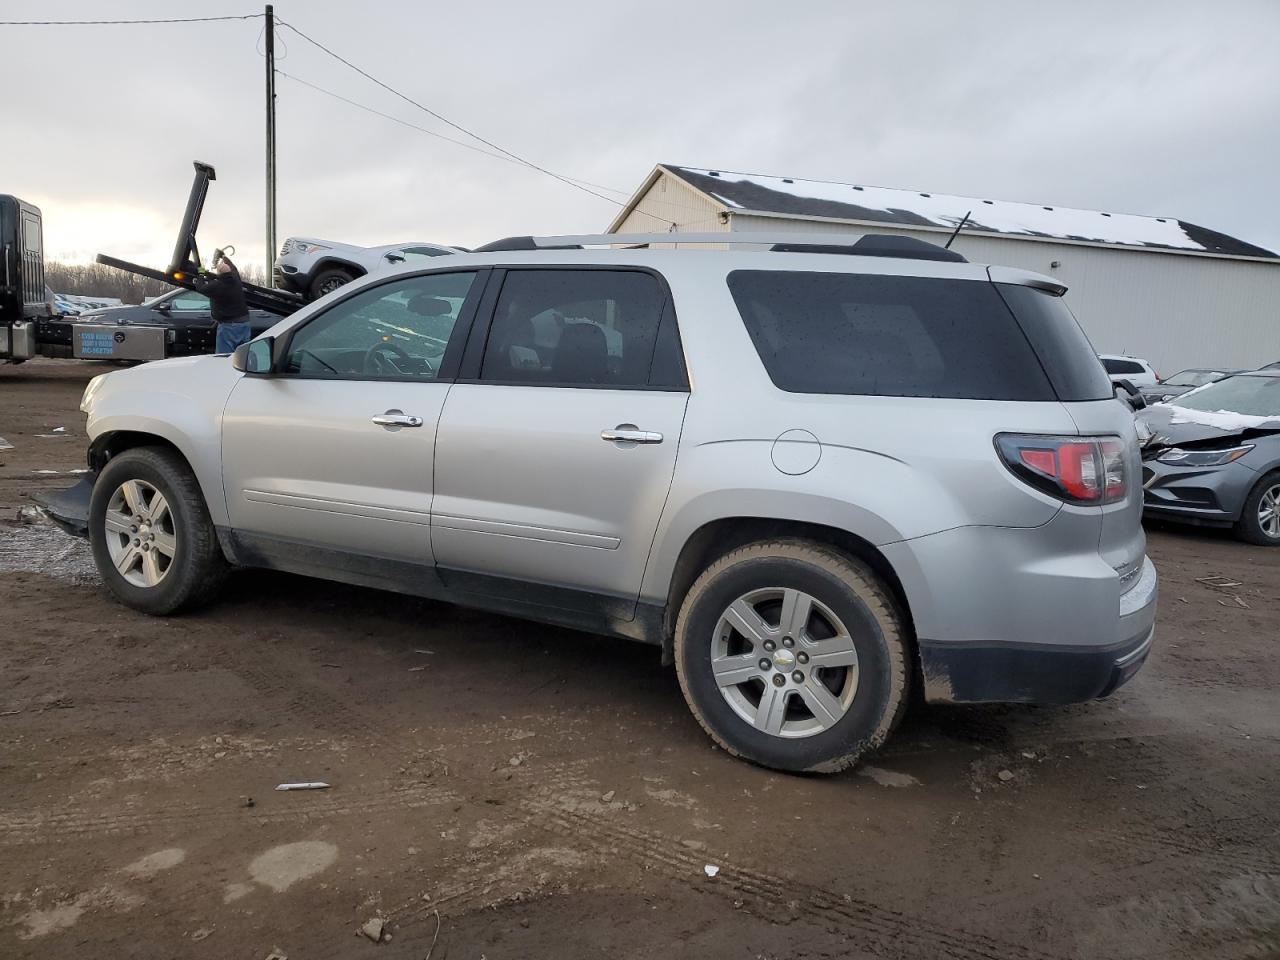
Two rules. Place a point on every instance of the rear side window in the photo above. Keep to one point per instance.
(1122, 366)
(867, 334)
(1063, 349)
(575, 328)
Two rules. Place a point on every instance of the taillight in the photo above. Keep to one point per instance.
(1088, 470)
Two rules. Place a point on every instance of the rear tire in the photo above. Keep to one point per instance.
(329, 280)
(751, 632)
(1260, 519)
(148, 497)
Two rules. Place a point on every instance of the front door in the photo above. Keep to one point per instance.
(553, 464)
(328, 462)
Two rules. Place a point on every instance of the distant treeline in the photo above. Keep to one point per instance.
(98, 280)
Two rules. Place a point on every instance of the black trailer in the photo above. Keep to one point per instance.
(29, 328)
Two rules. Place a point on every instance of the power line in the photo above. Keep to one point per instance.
(116, 23)
(447, 121)
(431, 133)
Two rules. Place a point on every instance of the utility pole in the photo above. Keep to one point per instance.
(271, 141)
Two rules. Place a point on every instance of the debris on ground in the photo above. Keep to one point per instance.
(246, 801)
(1028, 755)
(277, 954)
(374, 929)
(416, 669)
(306, 785)
(710, 870)
(5, 444)
(30, 514)
(607, 797)
(201, 934)
(1219, 583)
(1005, 775)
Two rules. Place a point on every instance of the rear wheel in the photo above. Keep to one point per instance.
(152, 538)
(329, 280)
(1260, 519)
(793, 655)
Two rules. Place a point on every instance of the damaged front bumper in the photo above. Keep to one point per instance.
(69, 508)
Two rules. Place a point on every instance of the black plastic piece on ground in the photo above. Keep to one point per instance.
(69, 508)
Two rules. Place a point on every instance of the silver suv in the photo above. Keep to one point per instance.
(817, 475)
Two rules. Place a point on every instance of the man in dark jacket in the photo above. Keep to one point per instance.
(226, 302)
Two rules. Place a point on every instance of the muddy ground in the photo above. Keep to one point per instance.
(529, 792)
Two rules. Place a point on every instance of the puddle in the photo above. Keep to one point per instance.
(43, 548)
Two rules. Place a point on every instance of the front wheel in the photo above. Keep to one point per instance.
(793, 655)
(153, 540)
(1260, 519)
(329, 280)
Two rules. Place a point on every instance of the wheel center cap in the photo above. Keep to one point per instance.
(783, 659)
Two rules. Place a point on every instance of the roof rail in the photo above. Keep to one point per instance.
(855, 244)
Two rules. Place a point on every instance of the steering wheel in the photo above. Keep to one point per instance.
(377, 363)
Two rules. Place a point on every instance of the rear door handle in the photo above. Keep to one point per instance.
(397, 418)
(629, 433)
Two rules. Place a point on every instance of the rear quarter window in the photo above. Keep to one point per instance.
(875, 335)
(1064, 351)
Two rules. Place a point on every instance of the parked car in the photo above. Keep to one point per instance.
(813, 480)
(1214, 456)
(1137, 371)
(313, 268)
(1182, 382)
(185, 316)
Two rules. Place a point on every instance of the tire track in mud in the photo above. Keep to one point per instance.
(492, 882)
(80, 824)
(286, 695)
(880, 928)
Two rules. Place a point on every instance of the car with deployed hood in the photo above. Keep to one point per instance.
(313, 268)
(1213, 456)
(1184, 381)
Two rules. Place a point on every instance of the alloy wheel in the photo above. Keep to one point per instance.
(140, 534)
(784, 662)
(1269, 512)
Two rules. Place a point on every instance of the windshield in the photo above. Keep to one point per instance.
(1193, 378)
(1254, 396)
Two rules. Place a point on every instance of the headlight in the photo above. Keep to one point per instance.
(309, 247)
(1203, 458)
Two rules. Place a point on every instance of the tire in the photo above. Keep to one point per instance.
(850, 601)
(1264, 498)
(328, 280)
(183, 551)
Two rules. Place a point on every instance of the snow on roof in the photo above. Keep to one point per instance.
(845, 201)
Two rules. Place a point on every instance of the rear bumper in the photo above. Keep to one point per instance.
(1048, 673)
(1028, 673)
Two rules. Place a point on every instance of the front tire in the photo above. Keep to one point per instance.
(329, 280)
(1260, 519)
(793, 655)
(153, 540)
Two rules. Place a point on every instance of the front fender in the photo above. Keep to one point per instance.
(179, 401)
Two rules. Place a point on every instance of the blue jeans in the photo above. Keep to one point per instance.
(230, 336)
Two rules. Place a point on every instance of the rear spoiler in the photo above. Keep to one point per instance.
(186, 255)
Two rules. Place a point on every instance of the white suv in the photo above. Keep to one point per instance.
(313, 268)
(1134, 369)
(814, 476)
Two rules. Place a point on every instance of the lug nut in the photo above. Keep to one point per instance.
(798, 677)
(147, 546)
(788, 642)
(133, 528)
(136, 541)
(779, 679)
(770, 645)
(764, 663)
(802, 657)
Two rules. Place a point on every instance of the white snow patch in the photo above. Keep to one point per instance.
(1000, 216)
(1222, 419)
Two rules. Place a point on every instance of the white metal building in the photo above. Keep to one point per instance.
(1174, 293)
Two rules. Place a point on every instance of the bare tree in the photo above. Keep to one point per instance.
(99, 280)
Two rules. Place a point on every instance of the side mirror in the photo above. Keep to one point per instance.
(255, 357)
(162, 308)
(1133, 396)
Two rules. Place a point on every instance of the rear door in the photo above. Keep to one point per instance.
(554, 458)
(331, 459)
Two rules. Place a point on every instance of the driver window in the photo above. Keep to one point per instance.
(394, 331)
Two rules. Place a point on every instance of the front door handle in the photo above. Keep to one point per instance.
(397, 418)
(630, 433)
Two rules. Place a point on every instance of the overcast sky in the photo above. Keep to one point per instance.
(1162, 108)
